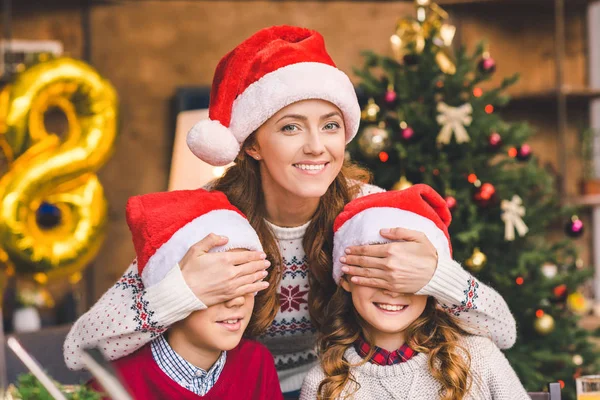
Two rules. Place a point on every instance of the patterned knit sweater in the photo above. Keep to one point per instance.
(493, 378)
(128, 315)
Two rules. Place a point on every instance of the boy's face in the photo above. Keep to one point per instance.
(219, 327)
(386, 313)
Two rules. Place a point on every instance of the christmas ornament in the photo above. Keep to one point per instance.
(477, 260)
(485, 195)
(549, 270)
(407, 134)
(560, 292)
(390, 95)
(495, 141)
(524, 152)
(402, 184)
(512, 214)
(48, 216)
(454, 119)
(371, 111)
(577, 359)
(577, 303)
(373, 140)
(487, 65)
(544, 325)
(574, 227)
(451, 202)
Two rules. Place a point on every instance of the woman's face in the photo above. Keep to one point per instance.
(387, 314)
(301, 148)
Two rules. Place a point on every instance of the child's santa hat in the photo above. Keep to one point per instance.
(165, 225)
(272, 69)
(419, 208)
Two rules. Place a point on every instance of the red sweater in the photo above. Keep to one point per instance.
(249, 373)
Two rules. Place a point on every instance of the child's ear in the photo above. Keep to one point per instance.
(345, 284)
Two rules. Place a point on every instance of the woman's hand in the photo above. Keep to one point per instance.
(218, 277)
(403, 266)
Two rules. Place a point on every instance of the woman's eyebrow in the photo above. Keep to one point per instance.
(331, 114)
(295, 116)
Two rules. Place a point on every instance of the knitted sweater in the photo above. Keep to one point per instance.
(248, 374)
(128, 315)
(493, 377)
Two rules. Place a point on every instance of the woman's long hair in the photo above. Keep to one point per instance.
(435, 333)
(242, 185)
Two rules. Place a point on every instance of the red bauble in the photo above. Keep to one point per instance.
(485, 195)
(487, 65)
(407, 133)
(524, 152)
(451, 202)
(495, 141)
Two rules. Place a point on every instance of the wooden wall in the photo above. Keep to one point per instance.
(149, 48)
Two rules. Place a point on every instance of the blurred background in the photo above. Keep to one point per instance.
(97, 97)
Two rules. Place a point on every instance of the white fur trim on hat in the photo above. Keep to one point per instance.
(221, 222)
(290, 84)
(213, 143)
(364, 227)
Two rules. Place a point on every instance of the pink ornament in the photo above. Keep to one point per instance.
(390, 96)
(408, 133)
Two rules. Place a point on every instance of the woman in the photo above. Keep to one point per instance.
(283, 111)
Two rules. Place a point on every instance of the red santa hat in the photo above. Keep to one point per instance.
(419, 208)
(165, 225)
(272, 69)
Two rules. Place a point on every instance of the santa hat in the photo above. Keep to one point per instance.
(272, 69)
(419, 208)
(165, 225)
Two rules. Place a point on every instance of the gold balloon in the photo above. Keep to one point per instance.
(477, 260)
(544, 325)
(373, 140)
(402, 184)
(370, 112)
(48, 169)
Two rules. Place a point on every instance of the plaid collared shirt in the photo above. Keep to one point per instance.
(382, 356)
(194, 379)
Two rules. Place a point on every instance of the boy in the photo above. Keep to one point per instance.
(202, 356)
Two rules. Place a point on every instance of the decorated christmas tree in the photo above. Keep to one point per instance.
(426, 119)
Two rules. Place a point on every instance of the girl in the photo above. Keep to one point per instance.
(378, 344)
(283, 112)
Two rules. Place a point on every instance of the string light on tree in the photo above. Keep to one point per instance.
(577, 359)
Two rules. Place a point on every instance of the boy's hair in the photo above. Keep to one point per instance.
(435, 333)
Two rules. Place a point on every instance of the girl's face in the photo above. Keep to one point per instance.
(387, 314)
(301, 149)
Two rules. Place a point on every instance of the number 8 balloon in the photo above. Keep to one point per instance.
(52, 206)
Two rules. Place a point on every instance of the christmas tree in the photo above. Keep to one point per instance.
(427, 120)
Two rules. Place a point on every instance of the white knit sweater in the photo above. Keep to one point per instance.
(493, 377)
(129, 315)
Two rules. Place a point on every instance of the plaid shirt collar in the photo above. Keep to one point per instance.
(186, 375)
(382, 356)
